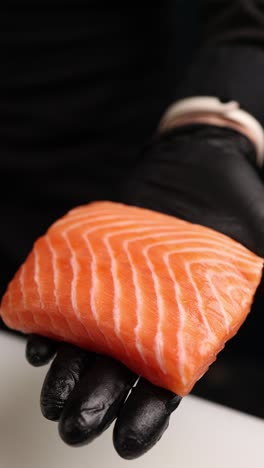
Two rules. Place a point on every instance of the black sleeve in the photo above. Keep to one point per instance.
(229, 63)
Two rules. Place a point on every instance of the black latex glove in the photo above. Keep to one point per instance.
(205, 175)
(86, 393)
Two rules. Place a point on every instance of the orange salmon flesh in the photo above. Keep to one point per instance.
(159, 294)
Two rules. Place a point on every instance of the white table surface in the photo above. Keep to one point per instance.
(200, 435)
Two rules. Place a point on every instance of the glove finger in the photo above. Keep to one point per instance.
(40, 350)
(95, 401)
(143, 419)
(63, 375)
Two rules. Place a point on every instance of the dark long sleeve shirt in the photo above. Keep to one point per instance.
(230, 60)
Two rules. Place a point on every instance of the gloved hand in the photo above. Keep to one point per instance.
(205, 175)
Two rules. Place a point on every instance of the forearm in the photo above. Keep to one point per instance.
(230, 61)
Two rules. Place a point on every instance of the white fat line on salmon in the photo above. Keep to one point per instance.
(22, 289)
(223, 252)
(75, 270)
(238, 288)
(241, 279)
(196, 249)
(201, 307)
(82, 219)
(238, 305)
(37, 281)
(54, 269)
(210, 261)
(211, 335)
(24, 301)
(237, 276)
(188, 266)
(181, 317)
(55, 278)
(138, 302)
(159, 343)
(244, 302)
(206, 239)
(246, 290)
(68, 219)
(231, 289)
(225, 315)
(225, 242)
(126, 211)
(36, 276)
(158, 219)
(84, 208)
(205, 249)
(90, 219)
(93, 293)
(114, 269)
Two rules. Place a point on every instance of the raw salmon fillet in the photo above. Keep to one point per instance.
(160, 294)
